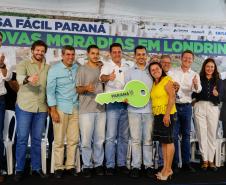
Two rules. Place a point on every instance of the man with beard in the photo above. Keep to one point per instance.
(31, 108)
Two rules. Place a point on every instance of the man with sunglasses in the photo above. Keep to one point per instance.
(63, 103)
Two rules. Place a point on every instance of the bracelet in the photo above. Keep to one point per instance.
(2, 66)
(26, 80)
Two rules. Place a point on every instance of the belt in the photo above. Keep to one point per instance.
(2, 97)
(183, 104)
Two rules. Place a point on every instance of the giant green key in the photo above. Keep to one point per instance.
(135, 92)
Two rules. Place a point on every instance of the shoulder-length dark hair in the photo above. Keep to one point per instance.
(216, 75)
(158, 64)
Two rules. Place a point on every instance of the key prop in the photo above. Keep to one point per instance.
(135, 92)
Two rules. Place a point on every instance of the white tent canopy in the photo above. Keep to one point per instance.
(192, 11)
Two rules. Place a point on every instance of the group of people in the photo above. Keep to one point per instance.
(66, 91)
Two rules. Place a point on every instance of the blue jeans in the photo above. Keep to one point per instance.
(183, 128)
(92, 130)
(140, 125)
(2, 116)
(117, 133)
(29, 123)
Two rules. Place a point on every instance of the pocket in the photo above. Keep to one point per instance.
(197, 108)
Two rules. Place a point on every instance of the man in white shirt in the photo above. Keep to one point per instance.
(189, 81)
(5, 75)
(117, 128)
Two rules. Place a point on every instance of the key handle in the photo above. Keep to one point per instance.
(135, 92)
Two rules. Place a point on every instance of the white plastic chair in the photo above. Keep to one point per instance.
(8, 143)
(44, 144)
(179, 152)
(221, 147)
(155, 156)
(193, 142)
(129, 154)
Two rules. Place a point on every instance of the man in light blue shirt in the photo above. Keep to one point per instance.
(140, 119)
(63, 103)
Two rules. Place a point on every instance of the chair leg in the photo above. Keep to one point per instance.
(9, 157)
(155, 151)
(129, 155)
(180, 155)
(43, 152)
(52, 160)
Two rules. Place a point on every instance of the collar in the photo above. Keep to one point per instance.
(65, 67)
(188, 71)
(114, 65)
(145, 68)
(33, 60)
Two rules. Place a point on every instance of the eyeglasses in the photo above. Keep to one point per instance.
(70, 74)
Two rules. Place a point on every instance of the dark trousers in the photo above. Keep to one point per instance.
(183, 128)
(224, 128)
(2, 116)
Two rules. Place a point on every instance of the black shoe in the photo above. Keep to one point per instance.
(123, 169)
(87, 173)
(135, 173)
(188, 168)
(110, 172)
(58, 174)
(39, 173)
(71, 172)
(19, 176)
(99, 171)
(150, 172)
(225, 164)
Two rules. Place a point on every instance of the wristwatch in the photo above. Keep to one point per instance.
(26, 80)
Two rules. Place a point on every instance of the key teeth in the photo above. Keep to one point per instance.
(97, 99)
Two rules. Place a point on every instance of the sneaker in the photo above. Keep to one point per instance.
(135, 173)
(71, 172)
(212, 167)
(99, 171)
(204, 165)
(19, 176)
(149, 172)
(39, 173)
(87, 173)
(188, 168)
(110, 172)
(58, 174)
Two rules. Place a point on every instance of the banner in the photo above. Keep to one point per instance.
(82, 41)
(159, 38)
(19, 31)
